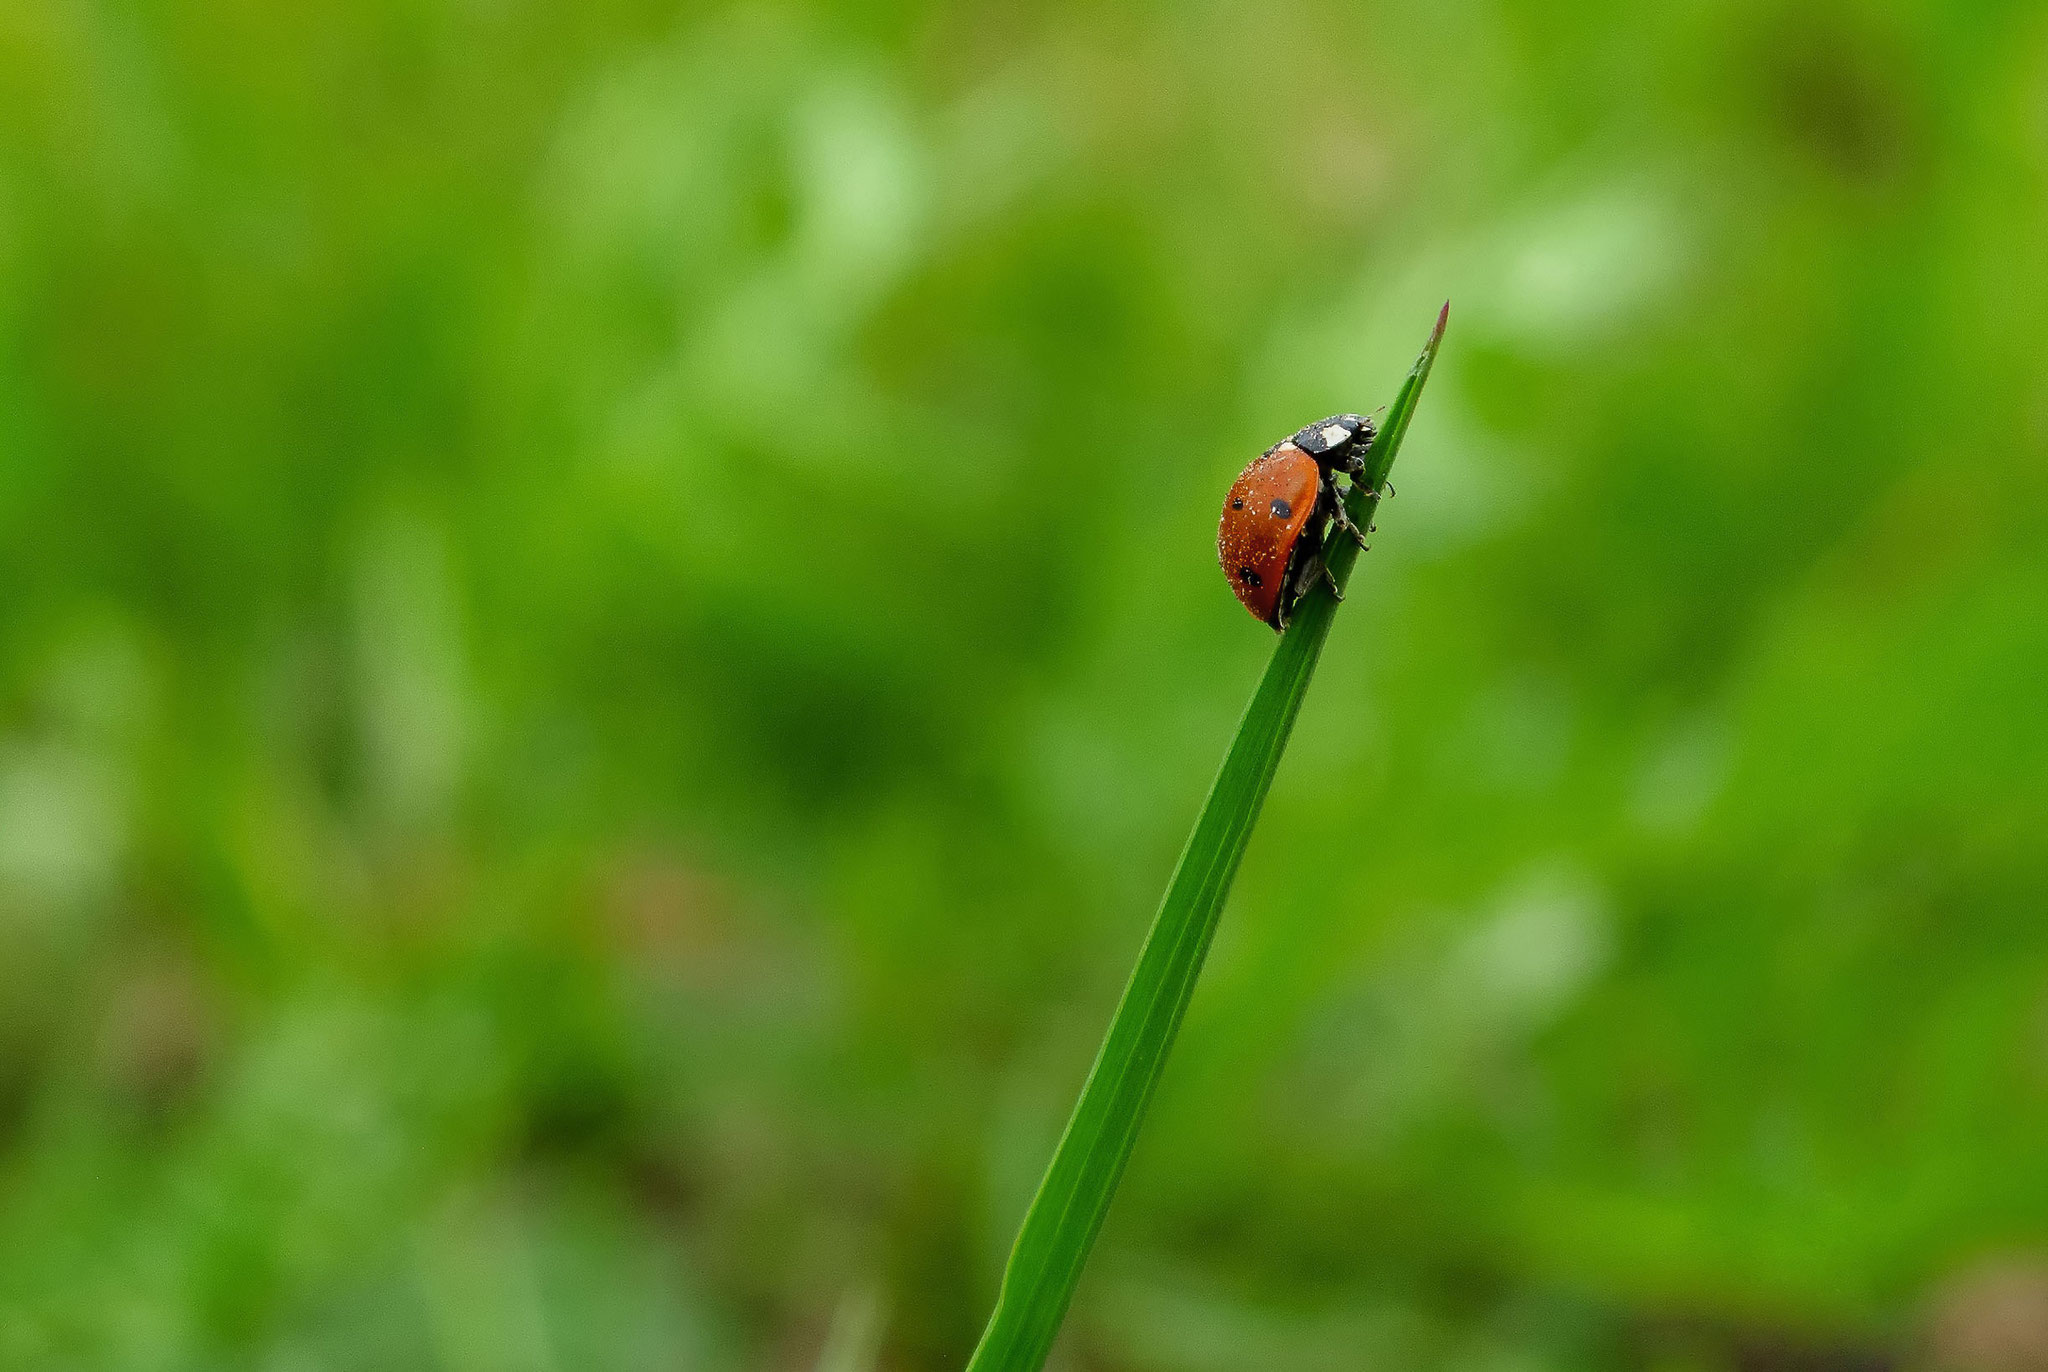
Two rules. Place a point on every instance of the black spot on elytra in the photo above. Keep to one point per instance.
(1249, 577)
(1238, 503)
(1280, 508)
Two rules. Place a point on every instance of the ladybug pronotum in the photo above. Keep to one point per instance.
(1271, 539)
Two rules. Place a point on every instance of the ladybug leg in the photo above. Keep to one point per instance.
(1323, 571)
(1354, 467)
(1313, 567)
(1302, 571)
(1312, 570)
(1343, 516)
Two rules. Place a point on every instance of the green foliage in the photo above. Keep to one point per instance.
(1060, 1227)
(608, 613)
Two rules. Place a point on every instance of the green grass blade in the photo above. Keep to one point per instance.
(1064, 1218)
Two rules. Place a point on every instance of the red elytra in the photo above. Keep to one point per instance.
(1269, 506)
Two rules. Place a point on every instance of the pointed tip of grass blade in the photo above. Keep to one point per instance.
(1436, 338)
(1340, 552)
(1380, 457)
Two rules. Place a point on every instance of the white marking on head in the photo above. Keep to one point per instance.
(1333, 434)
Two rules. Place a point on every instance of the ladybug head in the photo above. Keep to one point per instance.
(1335, 437)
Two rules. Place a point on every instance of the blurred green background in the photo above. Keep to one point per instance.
(609, 629)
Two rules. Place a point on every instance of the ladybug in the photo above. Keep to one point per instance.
(1271, 539)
